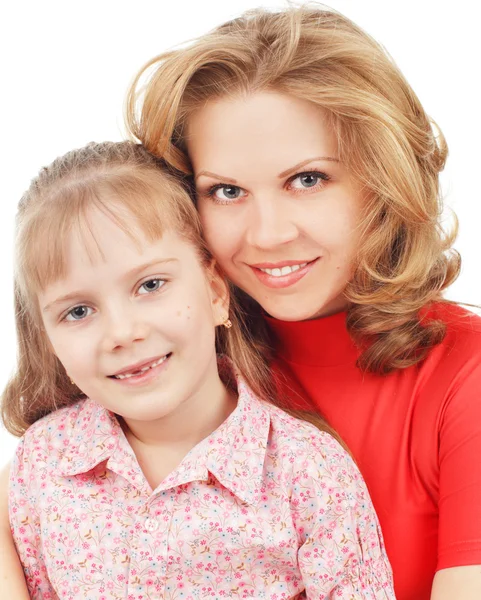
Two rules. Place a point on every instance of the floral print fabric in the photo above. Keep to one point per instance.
(266, 507)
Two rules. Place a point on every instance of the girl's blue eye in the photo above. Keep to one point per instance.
(307, 180)
(78, 313)
(151, 285)
(226, 193)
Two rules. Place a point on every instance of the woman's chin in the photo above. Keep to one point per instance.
(301, 311)
(293, 313)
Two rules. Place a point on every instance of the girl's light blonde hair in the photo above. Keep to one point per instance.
(129, 184)
(385, 140)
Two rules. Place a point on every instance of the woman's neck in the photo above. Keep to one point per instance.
(319, 342)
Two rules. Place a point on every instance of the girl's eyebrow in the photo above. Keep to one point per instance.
(132, 273)
(62, 299)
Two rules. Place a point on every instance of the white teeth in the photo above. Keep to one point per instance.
(284, 271)
(154, 364)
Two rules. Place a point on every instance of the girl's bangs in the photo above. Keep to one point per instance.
(43, 238)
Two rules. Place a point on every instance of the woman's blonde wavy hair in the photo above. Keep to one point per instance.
(127, 183)
(384, 136)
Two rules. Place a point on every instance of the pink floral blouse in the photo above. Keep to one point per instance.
(266, 507)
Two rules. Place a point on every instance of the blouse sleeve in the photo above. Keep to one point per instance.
(459, 540)
(25, 524)
(342, 554)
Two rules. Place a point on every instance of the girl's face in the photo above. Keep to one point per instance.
(133, 322)
(280, 212)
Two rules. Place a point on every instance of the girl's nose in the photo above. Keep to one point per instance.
(123, 328)
(272, 222)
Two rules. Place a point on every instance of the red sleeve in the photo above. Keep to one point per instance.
(460, 470)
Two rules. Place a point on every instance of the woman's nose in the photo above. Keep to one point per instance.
(272, 222)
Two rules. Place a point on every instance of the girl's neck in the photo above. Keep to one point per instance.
(162, 444)
(184, 429)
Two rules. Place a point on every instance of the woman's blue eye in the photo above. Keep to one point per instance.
(78, 313)
(152, 285)
(227, 192)
(307, 180)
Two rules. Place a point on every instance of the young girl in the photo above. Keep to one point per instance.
(147, 468)
(317, 182)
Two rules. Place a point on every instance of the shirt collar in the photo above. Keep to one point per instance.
(95, 438)
(234, 453)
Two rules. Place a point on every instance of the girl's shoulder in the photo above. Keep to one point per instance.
(292, 440)
(61, 420)
(310, 458)
(302, 441)
(46, 440)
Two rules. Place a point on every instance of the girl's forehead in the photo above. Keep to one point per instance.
(116, 260)
(102, 235)
(121, 239)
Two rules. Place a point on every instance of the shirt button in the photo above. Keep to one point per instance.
(151, 524)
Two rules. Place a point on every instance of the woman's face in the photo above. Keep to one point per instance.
(280, 212)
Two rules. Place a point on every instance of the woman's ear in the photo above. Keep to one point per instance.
(219, 292)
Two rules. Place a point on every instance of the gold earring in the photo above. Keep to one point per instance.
(227, 323)
(72, 381)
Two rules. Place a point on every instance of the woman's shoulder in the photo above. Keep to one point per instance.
(447, 383)
(457, 319)
(461, 345)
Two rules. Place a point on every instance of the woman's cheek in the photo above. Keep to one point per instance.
(221, 237)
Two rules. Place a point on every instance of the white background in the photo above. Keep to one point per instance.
(65, 67)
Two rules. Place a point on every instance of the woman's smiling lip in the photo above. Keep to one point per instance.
(278, 280)
(280, 264)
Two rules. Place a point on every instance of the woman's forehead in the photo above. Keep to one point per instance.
(267, 129)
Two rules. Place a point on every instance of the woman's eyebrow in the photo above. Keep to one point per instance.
(220, 177)
(305, 162)
(281, 175)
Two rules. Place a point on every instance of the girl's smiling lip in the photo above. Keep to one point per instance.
(141, 372)
(143, 377)
(282, 274)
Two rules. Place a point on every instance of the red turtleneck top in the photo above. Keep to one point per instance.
(415, 434)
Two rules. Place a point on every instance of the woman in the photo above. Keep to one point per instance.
(316, 172)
